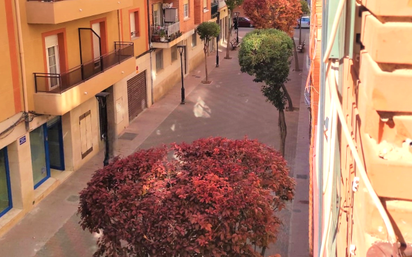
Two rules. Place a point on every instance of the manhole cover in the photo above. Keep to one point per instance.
(302, 176)
(242, 94)
(296, 210)
(128, 136)
(304, 202)
(73, 198)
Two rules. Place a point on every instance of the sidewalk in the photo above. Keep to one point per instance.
(235, 107)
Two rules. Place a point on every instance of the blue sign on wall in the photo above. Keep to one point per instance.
(22, 140)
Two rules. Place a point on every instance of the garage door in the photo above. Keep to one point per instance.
(136, 94)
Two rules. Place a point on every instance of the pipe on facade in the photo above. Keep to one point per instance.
(149, 41)
(22, 63)
(118, 25)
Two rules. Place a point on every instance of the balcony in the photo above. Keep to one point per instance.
(168, 35)
(59, 11)
(56, 94)
(165, 33)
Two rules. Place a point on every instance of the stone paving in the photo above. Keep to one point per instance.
(231, 106)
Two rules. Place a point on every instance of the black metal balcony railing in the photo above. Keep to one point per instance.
(60, 82)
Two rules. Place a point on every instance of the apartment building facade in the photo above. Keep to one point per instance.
(67, 73)
(361, 151)
(172, 26)
(75, 74)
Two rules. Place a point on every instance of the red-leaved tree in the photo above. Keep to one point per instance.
(277, 14)
(217, 197)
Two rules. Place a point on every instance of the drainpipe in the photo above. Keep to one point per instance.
(319, 132)
(149, 41)
(22, 64)
(118, 24)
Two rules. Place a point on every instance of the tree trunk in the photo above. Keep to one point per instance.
(228, 35)
(290, 104)
(295, 53)
(205, 50)
(283, 131)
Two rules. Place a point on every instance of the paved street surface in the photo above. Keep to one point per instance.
(231, 106)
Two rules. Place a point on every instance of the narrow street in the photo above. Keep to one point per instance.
(231, 106)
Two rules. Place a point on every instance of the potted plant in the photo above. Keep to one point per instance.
(162, 34)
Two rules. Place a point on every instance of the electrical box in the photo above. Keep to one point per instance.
(171, 15)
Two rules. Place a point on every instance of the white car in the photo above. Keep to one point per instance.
(304, 22)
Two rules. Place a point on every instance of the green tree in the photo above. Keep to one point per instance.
(264, 54)
(231, 5)
(305, 7)
(278, 14)
(207, 31)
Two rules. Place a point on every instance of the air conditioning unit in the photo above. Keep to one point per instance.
(171, 15)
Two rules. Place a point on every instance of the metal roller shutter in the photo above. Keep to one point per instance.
(136, 94)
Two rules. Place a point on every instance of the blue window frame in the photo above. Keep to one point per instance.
(5, 189)
(40, 155)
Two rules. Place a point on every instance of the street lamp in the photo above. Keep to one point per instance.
(237, 26)
(181, 50)
(217, 41)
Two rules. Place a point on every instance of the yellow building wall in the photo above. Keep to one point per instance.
(34, 45)
(140, 43)
(8, 53)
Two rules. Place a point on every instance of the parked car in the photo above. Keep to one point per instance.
(305, 22)
(244, 22)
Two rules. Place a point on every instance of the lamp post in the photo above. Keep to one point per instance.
(217, 41)
(237, 26)
(300, 29)
(181, 50)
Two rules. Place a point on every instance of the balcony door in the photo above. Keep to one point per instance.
(53, 60)
(157, 14)
(98, 42)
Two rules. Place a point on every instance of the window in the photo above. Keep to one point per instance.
(194, 39)
(86, 135)
(186, 9)
(174, 53)
(159, 60)
(5, 190)
(134, 24)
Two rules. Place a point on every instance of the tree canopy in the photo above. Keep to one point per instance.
(264, 54)
(305, 7)
(217, 197)
(208, 30)
(232, 4)
(278, 14)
